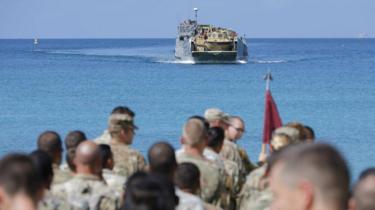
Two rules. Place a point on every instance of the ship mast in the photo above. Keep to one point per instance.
(196, 15)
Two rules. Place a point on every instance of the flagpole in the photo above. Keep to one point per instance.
(268, 78)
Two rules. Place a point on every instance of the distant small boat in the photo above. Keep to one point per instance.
(36, 41)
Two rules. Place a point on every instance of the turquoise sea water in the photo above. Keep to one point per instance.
(63, 85)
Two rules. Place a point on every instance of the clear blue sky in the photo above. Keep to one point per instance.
(159, 18)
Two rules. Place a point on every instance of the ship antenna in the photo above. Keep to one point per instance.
(196, 14)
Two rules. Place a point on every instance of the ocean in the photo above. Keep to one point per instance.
(65, 85)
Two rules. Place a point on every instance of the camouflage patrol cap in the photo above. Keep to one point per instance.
(293, 133)
(212, 114)
(117, 121)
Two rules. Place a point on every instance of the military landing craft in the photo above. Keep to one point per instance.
(201, 43)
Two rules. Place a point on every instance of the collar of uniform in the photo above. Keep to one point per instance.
(87, 177)
(115, 142)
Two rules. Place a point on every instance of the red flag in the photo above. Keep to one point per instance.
(272, 119)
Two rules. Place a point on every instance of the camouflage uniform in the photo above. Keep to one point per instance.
(60, 176)
(49, 202)
(255, 192)
(230, 173)
(230, 152)
(211, 181)
(247, 164)
(114, 181)
(208, 206)
(87, 192)
(187, 201)
(105, 138)
(127, 160)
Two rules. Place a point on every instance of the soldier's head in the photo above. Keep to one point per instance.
(293, 133)
(309, 133)
(309, 176)
(217, 118)
(301, 130)
(88, 159)
(364, 191)
(280, 140)
(236, 128)
(106, 156)
(50, 142)
(162, 159)
(149, 192)
(123, 110)
(20, 184)
(194, 134)
(72, 140)
(43, 165)
(122, 128)
(187, 178)
(215, 138)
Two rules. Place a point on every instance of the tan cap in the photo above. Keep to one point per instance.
(118, 121)
(212, 114)
(293, 133)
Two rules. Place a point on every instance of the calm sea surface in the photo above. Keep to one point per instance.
(63, 85)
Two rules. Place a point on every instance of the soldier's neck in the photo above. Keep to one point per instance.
(193, 151)
(85, 170)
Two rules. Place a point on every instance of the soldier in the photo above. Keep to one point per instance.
(255, 193)
(309, 177)
(194, 137)
(162, 160)
(72, 140)
(187, 180)
(229, 151)
(86, 190)
(235, 131)
(43, 164)
(149, 192)
(228, 169)
(20, 185)
(106, 136)
(364, 191)
(127, 160)
(50, 142)
(113, 180)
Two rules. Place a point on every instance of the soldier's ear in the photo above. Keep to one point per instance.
(182, 140)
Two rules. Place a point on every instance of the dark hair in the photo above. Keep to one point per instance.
(149, 192)
(43, 164)
(309, 132)
(18, 174)
(187, 176)
(50, 142)
(215, 137)
(367, 172)
(162, 159)
(74, 138)
(123, 110)
(105, 153)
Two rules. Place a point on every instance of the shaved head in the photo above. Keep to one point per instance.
(87, 153)
(318, 170)
(50, 142)
(194, 132)
(364, 191)
(162, 159)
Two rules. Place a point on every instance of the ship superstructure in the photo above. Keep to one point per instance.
(209, 44)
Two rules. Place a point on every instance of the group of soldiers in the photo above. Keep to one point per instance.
(210, 171)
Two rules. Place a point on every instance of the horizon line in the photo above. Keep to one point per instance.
(7, 38)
